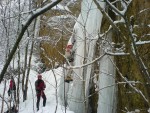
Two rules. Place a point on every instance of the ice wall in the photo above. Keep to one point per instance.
(86, 30)
(107, 88)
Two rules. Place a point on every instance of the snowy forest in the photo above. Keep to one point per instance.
(93, 55)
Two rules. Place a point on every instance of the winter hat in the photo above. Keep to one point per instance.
(39, 76)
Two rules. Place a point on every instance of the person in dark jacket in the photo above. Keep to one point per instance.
(40, 87)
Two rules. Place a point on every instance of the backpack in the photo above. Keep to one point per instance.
(39, 85)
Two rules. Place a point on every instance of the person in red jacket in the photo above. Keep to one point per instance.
(40, 87)
(12, 89)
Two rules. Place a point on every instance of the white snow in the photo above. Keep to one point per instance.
(29, 106)
(61, 7)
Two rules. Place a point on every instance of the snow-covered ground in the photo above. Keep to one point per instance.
(29, 106)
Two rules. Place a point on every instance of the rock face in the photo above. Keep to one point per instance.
(127, 97)
(55, 29)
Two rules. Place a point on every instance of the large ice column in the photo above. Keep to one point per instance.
(93, 26)
(86, 30)
(107, 88)
(76, 93)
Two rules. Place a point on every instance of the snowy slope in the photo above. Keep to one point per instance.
(29, 106)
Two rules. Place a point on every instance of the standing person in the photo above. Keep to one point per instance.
(40, 87)
(12, 89)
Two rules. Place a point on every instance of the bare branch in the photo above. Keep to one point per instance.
(31, 17)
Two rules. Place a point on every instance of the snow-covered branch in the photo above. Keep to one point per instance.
(109, 19)
(142, 42)
(25, 25)
(135, 52)
(116, 53)
(82, 66)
